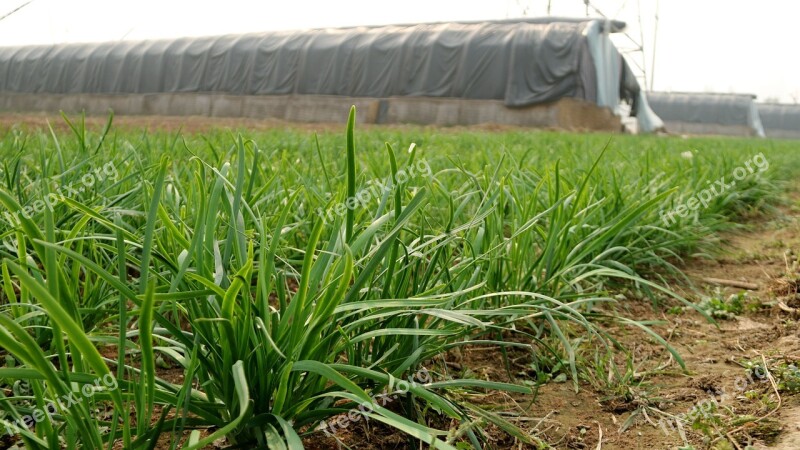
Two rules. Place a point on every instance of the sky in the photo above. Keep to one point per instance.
(700, 45)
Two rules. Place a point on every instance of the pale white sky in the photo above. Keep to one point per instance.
(703, 45)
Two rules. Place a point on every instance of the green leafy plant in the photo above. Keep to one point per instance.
(204, 282)
(728, 308)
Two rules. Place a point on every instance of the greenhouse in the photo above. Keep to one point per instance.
(531, 72)
(780, 120)
(707, 113)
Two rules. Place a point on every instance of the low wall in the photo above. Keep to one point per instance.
(567, 113)
(782, 134)
(708, 129)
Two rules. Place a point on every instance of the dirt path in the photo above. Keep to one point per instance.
(766, 335)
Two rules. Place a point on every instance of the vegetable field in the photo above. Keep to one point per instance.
(278, 288)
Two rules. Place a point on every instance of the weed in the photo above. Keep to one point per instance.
(720, 307)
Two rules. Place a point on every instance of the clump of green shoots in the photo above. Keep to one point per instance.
(720, 306)
(206, 256)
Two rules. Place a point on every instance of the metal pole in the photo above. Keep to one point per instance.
(641, 44)
(653, 62)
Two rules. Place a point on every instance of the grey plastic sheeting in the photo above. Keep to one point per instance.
(520, 62)
(615, 80)
(708, 108)
(782, 117)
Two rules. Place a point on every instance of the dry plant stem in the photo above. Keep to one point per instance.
(599, 439)
(732, 440)
(732, 283)
(786, 308)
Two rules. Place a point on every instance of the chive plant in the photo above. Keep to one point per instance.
(207, 257)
